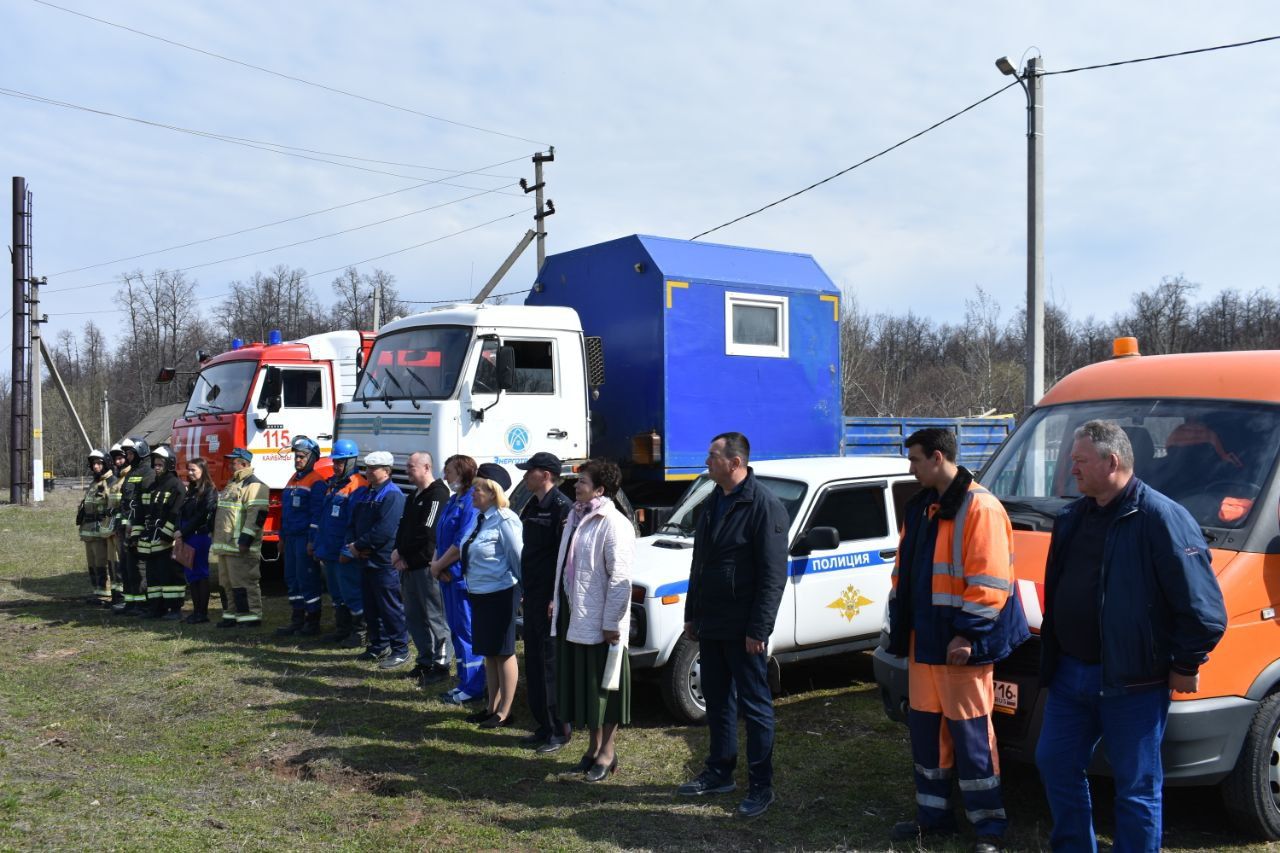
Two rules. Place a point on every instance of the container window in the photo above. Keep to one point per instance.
(756, 325)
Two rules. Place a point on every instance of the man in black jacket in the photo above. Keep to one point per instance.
(735, 586)
(415, 547)
(543, 520)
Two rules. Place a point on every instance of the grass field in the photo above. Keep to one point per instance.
(123, 734)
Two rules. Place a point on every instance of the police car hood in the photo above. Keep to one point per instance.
(661, 560)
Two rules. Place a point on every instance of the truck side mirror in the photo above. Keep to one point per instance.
(506, 368)
(166, 375)
(817, 539)
(272, 387)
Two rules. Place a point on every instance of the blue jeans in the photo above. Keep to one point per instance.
(733, 678)
(301, 574)
(1076, 717)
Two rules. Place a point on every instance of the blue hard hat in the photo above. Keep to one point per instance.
(303, 444)
(344, 448)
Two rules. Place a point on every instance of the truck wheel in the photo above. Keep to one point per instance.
(682, 683)
(1251, 793)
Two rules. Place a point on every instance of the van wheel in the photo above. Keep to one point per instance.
(682, 683)
(1251, 793)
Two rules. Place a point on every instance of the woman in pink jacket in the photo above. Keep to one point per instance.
(591, 612)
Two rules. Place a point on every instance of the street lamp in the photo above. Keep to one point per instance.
(1031, 81)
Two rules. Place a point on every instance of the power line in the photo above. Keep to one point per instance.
(464, 299)
(845, 171)
(270, 147)
(225, 294)
(272, 224)
(286, 245)
(291, 77)
(1160, 56)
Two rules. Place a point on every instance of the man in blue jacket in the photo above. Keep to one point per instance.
(1132, 610)
(300, 505)
(735, 587)
(372, 533)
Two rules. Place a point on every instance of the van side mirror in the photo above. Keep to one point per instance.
(506, 368)
(272, 387)
(817, 539)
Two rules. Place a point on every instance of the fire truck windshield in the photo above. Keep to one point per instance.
(422, 364)
(222, 388)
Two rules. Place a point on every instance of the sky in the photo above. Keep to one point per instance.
(668, 118)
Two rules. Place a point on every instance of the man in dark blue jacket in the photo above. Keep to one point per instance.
(1132, 610)
(374, 521)
(735, 587)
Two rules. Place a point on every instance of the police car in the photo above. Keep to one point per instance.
(845, 515)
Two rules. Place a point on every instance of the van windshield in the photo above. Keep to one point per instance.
(684, 517)
(221, 388)
(421, 364)
(1211, 456)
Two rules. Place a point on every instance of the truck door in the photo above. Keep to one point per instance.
(546, 410)
(840, 594)
(305, 409)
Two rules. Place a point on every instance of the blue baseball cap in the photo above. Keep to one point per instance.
(240, 453)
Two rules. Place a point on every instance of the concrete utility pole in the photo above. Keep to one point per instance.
(377, 305)
(19, 427)
(106, 420)
(66, 398)
(541, 210)
(1032, 82)
(37, 396)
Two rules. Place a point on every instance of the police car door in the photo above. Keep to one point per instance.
(840, 593)
(543, 411)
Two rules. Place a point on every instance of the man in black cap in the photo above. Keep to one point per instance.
(543, 518)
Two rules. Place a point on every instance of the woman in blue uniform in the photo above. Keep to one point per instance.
(458, 516)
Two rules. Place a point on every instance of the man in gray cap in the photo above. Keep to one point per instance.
(543, 517)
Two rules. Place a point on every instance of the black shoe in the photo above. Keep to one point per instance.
(493, 721)
(227, 623)
(310, 625)
(757, 801)
(479, 716)
(534, 739)
(172, 616)
(371, 655)
(294, 626)
(416, 672)
(196, 619)
(433, 674)
(585, 763)
(706, 783)
(988, 844)
(555, 743)
(599, 772)
(393, 661)
(909, 830)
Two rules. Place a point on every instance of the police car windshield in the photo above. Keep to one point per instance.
(221, 388)
(420, 364)
(684, 518)
(1213, 457)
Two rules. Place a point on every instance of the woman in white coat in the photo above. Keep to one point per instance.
(591, 612)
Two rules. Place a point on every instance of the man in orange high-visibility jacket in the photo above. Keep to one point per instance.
(954, 612)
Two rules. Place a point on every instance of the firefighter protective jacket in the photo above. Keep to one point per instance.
(97, 508)
(137, 481)
(946, 585)
(161, 505)
(242, 514)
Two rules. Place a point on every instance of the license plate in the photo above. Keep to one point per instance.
(1006, 697)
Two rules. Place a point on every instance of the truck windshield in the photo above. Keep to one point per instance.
(422, 364)
(1213, 457)
(222, 388)
(684, 517)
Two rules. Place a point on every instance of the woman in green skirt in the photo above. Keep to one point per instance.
(590, 614)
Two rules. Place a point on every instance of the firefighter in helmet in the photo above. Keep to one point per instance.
(96, 523)
(161, 505)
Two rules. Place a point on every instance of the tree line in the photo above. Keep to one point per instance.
(894, 364)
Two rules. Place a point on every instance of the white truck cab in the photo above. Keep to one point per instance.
(837, 577)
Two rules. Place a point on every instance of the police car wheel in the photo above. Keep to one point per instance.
(1251, 793)
(682, 683)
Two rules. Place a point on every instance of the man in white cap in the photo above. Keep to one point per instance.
(371, 538)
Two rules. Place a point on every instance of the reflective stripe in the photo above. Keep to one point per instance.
(943, 569)
(932, 802)
(980, 784)
(313, 600)
(989, 582)
(934, 772)
(943, 600)
(980, 610)
(984, 814)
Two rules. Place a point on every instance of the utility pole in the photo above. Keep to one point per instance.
(106, 420)
(541, 210)
(19, 428)
(377, 305)
(37, 397)
(66, 397)
(1034, 85)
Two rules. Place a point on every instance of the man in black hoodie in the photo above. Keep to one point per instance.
(415, 548)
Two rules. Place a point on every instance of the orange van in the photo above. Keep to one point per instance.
(1205, 430)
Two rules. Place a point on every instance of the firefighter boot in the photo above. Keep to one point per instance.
(244, 616)
(355, 639)
(341, 625)
(95, 585)
(310, 625)
(295, 624)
